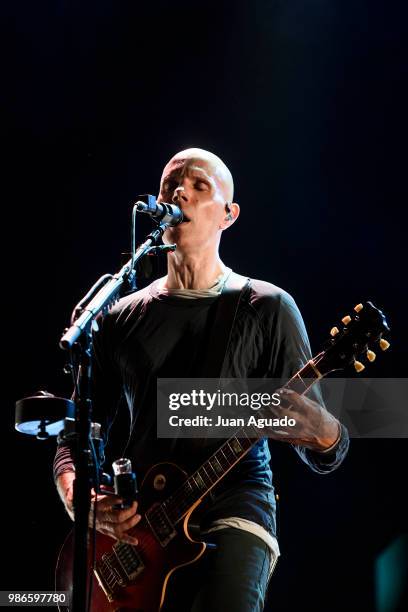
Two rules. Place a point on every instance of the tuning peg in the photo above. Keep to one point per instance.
(346, 320)
(334, 331)
(358, 366)
(358, 307)
(371, 356)
(384, 344)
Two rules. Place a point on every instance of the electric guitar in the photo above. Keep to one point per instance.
(135, 578)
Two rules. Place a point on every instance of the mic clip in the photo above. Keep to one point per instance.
(162, 248)
(125, 483)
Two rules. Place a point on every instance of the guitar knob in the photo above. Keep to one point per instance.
(358, 307)
(371, 356)
(346, 320)
(358, 366)
(334, 331)
(384, 344)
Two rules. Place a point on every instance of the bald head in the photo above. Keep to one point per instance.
(201, 185)
(214, 164)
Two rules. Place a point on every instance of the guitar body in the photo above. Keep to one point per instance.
(135, 578)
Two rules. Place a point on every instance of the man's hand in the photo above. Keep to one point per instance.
(109, 520)
(315, 427)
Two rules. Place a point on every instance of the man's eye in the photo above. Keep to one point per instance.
(200, 185)
(169, 186)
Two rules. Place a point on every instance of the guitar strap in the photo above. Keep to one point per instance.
(219, 332)
(221, 328)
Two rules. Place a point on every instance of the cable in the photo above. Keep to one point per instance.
(88, 296)
(95, 507)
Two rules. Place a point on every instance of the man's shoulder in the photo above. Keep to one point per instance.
(270, 302)
(274, 306)
(131, 302)
(265, 293)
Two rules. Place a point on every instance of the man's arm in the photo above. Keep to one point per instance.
(64, 483)
(106, 394)
(319, 438)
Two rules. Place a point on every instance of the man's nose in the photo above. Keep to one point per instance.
(179, 193)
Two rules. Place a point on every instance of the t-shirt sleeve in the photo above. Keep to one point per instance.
(289, 352)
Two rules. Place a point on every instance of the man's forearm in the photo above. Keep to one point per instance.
(64, 476)
(65, 482)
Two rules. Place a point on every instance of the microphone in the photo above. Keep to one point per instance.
(164, 213)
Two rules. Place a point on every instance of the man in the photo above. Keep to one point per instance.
(162, 331)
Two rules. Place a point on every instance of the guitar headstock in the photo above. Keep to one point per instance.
(358, 334)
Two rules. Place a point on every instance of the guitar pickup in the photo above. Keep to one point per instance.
(130, 560)
(160, 525)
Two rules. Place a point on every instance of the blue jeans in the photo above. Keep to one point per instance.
(233, 577)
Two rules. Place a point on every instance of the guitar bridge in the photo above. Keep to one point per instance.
(108, 577)
(105, 588)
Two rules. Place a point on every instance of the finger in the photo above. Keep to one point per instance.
(121, 515)
(276, 435)
(103, 493)
(129, 539)
(125, 537)
(107, 502)
(125, 507)
(289, 393)
(98, 498)
(108, 532)
(290, 396)
(117, 515)
(126, 525)
(121, 532)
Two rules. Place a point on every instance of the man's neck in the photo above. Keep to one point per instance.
(193, 272)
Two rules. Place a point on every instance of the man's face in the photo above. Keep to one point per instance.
(198, 187)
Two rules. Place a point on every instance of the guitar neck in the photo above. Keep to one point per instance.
(212, 471)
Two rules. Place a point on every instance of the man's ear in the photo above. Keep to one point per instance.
(232, 213)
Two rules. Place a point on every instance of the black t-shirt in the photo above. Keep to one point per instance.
(150, 335)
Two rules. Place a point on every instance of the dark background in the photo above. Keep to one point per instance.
(306, 102)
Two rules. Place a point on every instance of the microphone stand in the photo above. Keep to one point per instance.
(78, 340)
